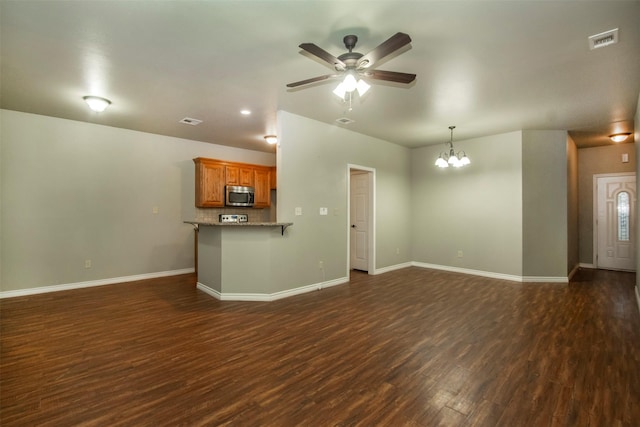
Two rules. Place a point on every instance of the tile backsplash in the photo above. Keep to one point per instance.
(254, 215)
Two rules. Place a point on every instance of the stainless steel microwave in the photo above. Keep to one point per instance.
(236, 195)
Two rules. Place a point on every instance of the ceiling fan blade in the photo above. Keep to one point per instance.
(322, 54)
(392, 44)
(391, 76)
(311, 80)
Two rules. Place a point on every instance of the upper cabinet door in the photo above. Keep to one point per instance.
(209, 183)
(239, 175)
(262, 187)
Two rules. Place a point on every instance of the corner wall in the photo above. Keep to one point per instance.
(476, 210)
(544, 203)
(573, 258)
(313, 160)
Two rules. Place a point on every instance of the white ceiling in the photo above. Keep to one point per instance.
(487, 67)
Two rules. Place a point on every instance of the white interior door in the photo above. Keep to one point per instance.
(359, 221)
(615, 222)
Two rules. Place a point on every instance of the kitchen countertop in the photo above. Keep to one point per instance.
(240, 224)
(212, 223)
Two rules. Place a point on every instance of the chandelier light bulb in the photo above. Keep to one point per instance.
(457, 160)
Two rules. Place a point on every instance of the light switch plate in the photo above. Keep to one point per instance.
(324, 211)
(298, 211)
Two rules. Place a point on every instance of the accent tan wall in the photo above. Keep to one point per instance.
(592, 161)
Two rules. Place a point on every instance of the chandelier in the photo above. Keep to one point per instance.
(452, 158)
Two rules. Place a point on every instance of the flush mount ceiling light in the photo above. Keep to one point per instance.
(452, 158)
(271, 139)
(245, 112)
(97, 103)
(619, 137)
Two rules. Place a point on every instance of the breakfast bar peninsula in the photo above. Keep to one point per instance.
(235, 258)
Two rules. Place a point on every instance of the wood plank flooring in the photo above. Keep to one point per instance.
(414, 347)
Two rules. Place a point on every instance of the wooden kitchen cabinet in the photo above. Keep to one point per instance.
(274, 182)
(239, 175)
(262, 185)
(213, 175)
(210, 176)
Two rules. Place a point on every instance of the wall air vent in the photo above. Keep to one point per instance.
(190, 121)
(603, 39)
(345, 121)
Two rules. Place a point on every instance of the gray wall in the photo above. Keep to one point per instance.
(476, 209)
(544, 203)
(73, 191)
(573, 258)
(592, 161)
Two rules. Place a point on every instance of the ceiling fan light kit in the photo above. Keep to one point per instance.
(457, 160)
(355, 66)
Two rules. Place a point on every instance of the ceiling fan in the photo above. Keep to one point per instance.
(353, 65)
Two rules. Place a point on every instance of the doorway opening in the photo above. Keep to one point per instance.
(361, 219)
(614, 214)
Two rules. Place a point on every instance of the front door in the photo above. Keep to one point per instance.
(359, 213)
(615, 222)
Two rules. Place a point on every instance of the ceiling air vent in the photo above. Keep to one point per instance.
(603, 39)
(345, 120)
(190, 121)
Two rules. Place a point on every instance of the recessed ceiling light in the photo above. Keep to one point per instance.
(245, 112)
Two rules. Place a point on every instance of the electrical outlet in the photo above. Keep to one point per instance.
(320, 265)
(155, 209)
(460, 254)
(298, 211)
(87, 263)
(397, 251)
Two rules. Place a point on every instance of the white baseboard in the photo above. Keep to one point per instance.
(270, 297)
(492, 275)
(392, 268)
(92, 283)
(586, 265)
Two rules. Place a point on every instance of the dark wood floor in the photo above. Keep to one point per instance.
(414, 347)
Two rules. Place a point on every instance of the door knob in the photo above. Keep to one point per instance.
(353, 226)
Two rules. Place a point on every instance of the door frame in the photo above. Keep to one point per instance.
(595, 209)
(371, 247)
